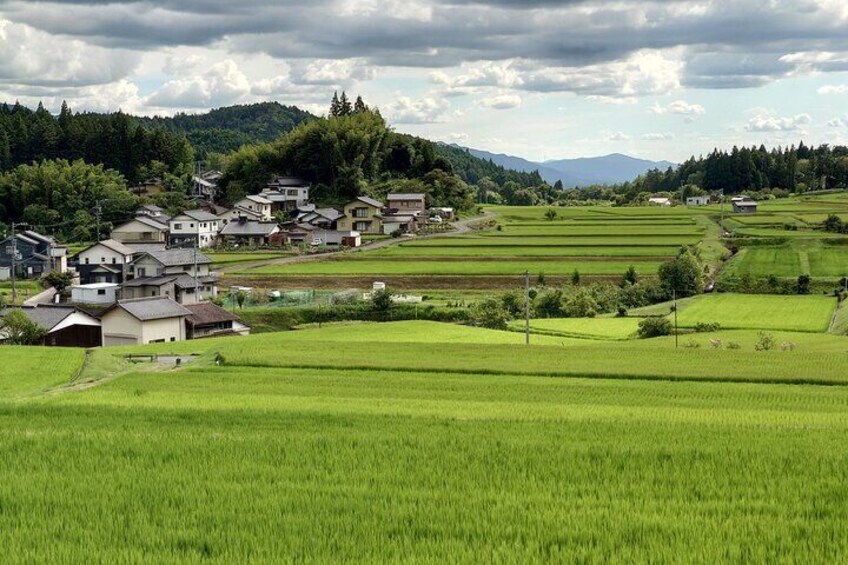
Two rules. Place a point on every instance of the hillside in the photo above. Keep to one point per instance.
(608, 169)
(226, 129)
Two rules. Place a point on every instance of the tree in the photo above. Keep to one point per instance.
(58, 280)
(513, 303)
(240, 297)
(683, 276)
(18, 329)
(548, 304)
(335, 106)
(804, 284)
(654, 327)
(381, 300)
(575, 277)
(345, 108)
(359, 106)
(580, 305)
(491, 314)
(630, 277)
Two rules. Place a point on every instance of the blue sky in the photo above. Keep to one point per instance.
(542, 79)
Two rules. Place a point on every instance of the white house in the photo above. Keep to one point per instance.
(659, 201)
(172, 273)
(697, 200)
(141, 229)
(193, 227)
(106, 261)
(258, 204)
(143, 320)
(286, 193)
(96, 293)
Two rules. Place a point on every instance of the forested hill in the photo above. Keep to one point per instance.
(226, 129)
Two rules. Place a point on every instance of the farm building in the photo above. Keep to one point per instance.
(697, 200)
(401, 223)
(143, 320)
(66, 327)
(659, 201)
(210, 320)
(743, 205)
(95, 293)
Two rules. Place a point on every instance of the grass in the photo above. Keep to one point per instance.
(751, 311)
(587, 328)
(30, 370)
(245, 257)
(435, 268)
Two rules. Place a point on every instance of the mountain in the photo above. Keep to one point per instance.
(609, 169)
(226, 129)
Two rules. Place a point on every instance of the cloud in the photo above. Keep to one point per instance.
(428, 110)
(221, 85)
(768, 123)
(680, 107)
(833, 89)
(332, 72)
(838, 122)
(618, 136)
(658, 136)
(502, 102)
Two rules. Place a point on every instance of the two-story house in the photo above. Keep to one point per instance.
(141, 229)
(35, 255)
(286, 193)
(172, 273)
(364, 215)
(407, 203)
(258, 204)
(193, 228)
(107, 261)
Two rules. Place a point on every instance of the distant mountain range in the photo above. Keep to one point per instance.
(609, 169)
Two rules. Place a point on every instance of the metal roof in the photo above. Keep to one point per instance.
(115, 246)
(197, 215)
(206, 313)
(406, 196)
(370, 201)
(257, 199)
(153, 308)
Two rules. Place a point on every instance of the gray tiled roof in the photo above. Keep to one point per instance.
(176, 257)
(370, 201)
(198, 215)
(406, 196)
(154, 308)
(48, 317)
(147, 222)
(249, 228)
(115, 246)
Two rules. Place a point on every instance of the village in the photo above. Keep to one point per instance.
(150, 281)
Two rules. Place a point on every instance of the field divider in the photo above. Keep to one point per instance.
(551, 374)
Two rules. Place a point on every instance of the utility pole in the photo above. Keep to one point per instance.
(196, 279)
(721, 224)
(13, 252)
(526, 307)
(98, 210)
(674, 298)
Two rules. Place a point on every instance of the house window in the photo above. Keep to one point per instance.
(114, 260)
(103, 259)
(191, 225)
(87, 261)
(173, 339)
(178, 226)
(101, 292)
(360, 213)
(362, 226)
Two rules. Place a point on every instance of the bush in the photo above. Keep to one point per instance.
(654, 327)
(707, 327)
(549, 304)
(683, 275)
(381, 300)
(804, 283)
(765, 342)
(490, 314)
(18, 329)
(733, 345)
(513, 303)
(580, 305)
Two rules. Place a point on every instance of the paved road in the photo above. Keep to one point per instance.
(460, 227)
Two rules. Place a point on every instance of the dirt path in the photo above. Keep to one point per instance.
(460, 227)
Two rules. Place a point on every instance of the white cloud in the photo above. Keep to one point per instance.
(680, 107)
(764, 123)
(838, 122)
(502, 102)
(618, 136)
(833, 89)
(428, 110)
(221, 85)
(658, 136)
(337, 72)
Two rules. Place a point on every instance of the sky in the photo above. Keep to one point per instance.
(541, 79)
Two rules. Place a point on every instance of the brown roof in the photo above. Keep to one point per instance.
(207, 313)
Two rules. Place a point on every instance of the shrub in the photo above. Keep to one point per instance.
(550, 214)
(580, 305)
(691, 344)
(549, 304)
(381, 300)
(707, 327)
(490, 314)
(621, 312)
(631, 277)
(804, 283)
(765, 342)
(575, 277)
(683, 275)
(733, 345)
(654, 327)
(18, 329)
(513, 303)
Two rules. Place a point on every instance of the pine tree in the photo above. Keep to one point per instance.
(359, 106)
(345, 109)
(335, 105)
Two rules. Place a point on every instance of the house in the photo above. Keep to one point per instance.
(203, 188)
(744, 205)
(228, 216)
(35, 255)
(141, 229)
(251, 233)
(195, 228)
(152, 211)
(320, 217)
(398, 223)
(95, 293)
(258, 204)
(210, 320)
(171, 273)
(697, 200)
(286, 193)
(659, 201)
(104, 262)
(364, 215)
(407, 203)
(443, 212)
(314, 235)
(143, 320)
(66, 326)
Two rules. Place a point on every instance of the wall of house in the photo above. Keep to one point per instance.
(351, 222)
(408, 206)
(120, 328)
(102, 255)
(170, 329)
(93, 295)
(183, 228)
